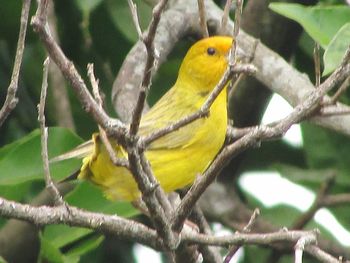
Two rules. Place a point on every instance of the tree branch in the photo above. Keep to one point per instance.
(131, 230)
(202, 18)
(336, 200)
(300, 246)
(44, 215)
(225, 17)
(103, 135)
(246, 229)
(210, 254)
(150, 60)
(44, 135)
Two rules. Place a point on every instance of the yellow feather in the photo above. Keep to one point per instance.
(177, 158)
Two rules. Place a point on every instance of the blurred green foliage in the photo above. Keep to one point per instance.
(102, 32)
(327, 25)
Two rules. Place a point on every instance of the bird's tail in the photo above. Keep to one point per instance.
(79, 152)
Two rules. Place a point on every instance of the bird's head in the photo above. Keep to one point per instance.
(206, 62)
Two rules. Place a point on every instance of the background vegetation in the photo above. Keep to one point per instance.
(102, 32)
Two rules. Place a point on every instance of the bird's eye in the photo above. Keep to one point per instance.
(211, 51)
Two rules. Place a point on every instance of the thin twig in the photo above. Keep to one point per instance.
(103, 135)
(340, 91)
(237, 23)
(58, 200)
(252, 220)
(122, 162)
(151, 58)
(11, 99)
(300, 246)
(202, 18)
(317, 65)
(234, 85)
(162, 199)
(243, 238)
(323, 256)
(94, 85)
(246, 229)
(225, 17)
(135, 18)
(111, 151)
(148, 186)
(336, 199)
(334, 110)
(210, 254)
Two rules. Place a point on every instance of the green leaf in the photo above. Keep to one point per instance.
(321, 22)
(21, 161)
(281, 215)
(252, 253)
(62, 235)
(336, 49)
(122, 19)
(71, 259)
(48, 252)
(327, 150)
(14, 192)
(89, 197)
(11, 146)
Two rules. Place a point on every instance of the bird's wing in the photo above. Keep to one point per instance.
(167, 111)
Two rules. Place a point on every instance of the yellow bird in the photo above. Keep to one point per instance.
(178, 157)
